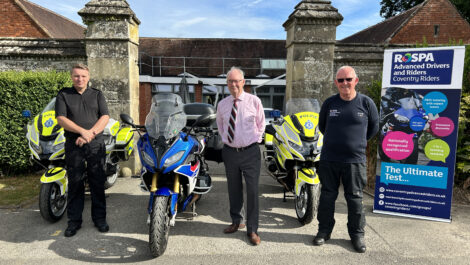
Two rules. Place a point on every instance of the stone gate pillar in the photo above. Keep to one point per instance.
(310, 43)
(112, 40)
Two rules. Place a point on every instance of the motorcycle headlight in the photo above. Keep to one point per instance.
(147, 159)
(401, 118)
(304, 149)
(173, 159)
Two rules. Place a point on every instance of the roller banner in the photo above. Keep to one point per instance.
(419, 112)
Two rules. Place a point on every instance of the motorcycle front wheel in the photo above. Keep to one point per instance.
(306, 204)
(159, 225)
(52, 204)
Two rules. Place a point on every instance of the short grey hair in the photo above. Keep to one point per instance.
(345, 67)
(234, 68)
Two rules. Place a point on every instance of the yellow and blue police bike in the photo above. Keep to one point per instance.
(292, 151)
(46, 143)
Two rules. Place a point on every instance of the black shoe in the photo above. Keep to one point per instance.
(321, 238)
(71, 230)
(102, 227)
(359, 244)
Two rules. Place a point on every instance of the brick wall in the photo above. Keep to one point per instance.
(435, 12)
(15, 23)
(145, 101)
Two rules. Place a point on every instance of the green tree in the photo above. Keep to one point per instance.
(464, 8)
(390, 8)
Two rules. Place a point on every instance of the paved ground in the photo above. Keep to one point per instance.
(25, 238)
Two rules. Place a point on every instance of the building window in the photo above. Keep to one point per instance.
(436, 31)
(172, 88)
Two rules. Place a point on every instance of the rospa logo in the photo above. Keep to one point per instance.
(413, 57)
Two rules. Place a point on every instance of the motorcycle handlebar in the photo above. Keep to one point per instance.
(200, 129)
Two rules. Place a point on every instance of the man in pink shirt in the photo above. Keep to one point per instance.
(240, 119)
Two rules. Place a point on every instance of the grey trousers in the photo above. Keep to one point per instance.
(247, 164)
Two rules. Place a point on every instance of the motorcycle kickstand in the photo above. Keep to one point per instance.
(193, 211)
(284, 198)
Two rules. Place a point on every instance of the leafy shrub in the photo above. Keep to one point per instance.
(23, 91)
(373, 91)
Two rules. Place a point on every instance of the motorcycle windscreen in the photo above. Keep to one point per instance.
(166, 117)
(410, 103)
(296, 105)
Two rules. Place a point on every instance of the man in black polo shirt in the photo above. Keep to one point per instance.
(347, 120)
(83, 113)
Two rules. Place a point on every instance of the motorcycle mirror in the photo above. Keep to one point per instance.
(26, 113)
(270, 129)
(127, 119)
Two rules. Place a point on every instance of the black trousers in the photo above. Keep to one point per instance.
(90, 158)
(243, 164)
(354, 177)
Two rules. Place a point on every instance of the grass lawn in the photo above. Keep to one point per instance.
(15, 191)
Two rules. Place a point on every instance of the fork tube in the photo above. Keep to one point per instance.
(176, 185)
(176, 188)
(153, 188)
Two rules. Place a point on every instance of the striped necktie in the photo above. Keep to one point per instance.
(231, 124)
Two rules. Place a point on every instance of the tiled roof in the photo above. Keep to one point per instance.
(382, 32)
(55, 25)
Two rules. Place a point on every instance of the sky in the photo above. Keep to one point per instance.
(243, 19)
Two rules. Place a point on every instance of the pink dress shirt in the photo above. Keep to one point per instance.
(249, 124)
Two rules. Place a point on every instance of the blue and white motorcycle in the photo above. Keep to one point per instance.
(174, 170)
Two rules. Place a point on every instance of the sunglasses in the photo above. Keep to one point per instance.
(341, 80)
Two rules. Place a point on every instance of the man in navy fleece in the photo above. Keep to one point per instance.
(347, 120)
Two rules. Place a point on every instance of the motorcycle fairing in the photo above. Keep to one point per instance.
(112, 127)
(188, 170)
(305, 176)
(179, 145)
(305, 123)
(144, 146)
(288, 136)
(268, 139)
(58, 175)
(125, 138)
(282, 152)
(408, 113)
(191, 172)
(46, 124)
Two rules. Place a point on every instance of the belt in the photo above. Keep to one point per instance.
(239, 149)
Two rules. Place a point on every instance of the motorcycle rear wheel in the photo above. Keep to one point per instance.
(159, 230)
(306, 204)
(52, 204)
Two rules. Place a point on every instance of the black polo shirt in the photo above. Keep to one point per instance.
(83, 109)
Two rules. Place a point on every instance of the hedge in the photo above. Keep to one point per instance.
(23, 91)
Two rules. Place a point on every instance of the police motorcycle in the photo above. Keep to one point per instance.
(174, 170)
(402, 110)
(292, 150)
(46, 143)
